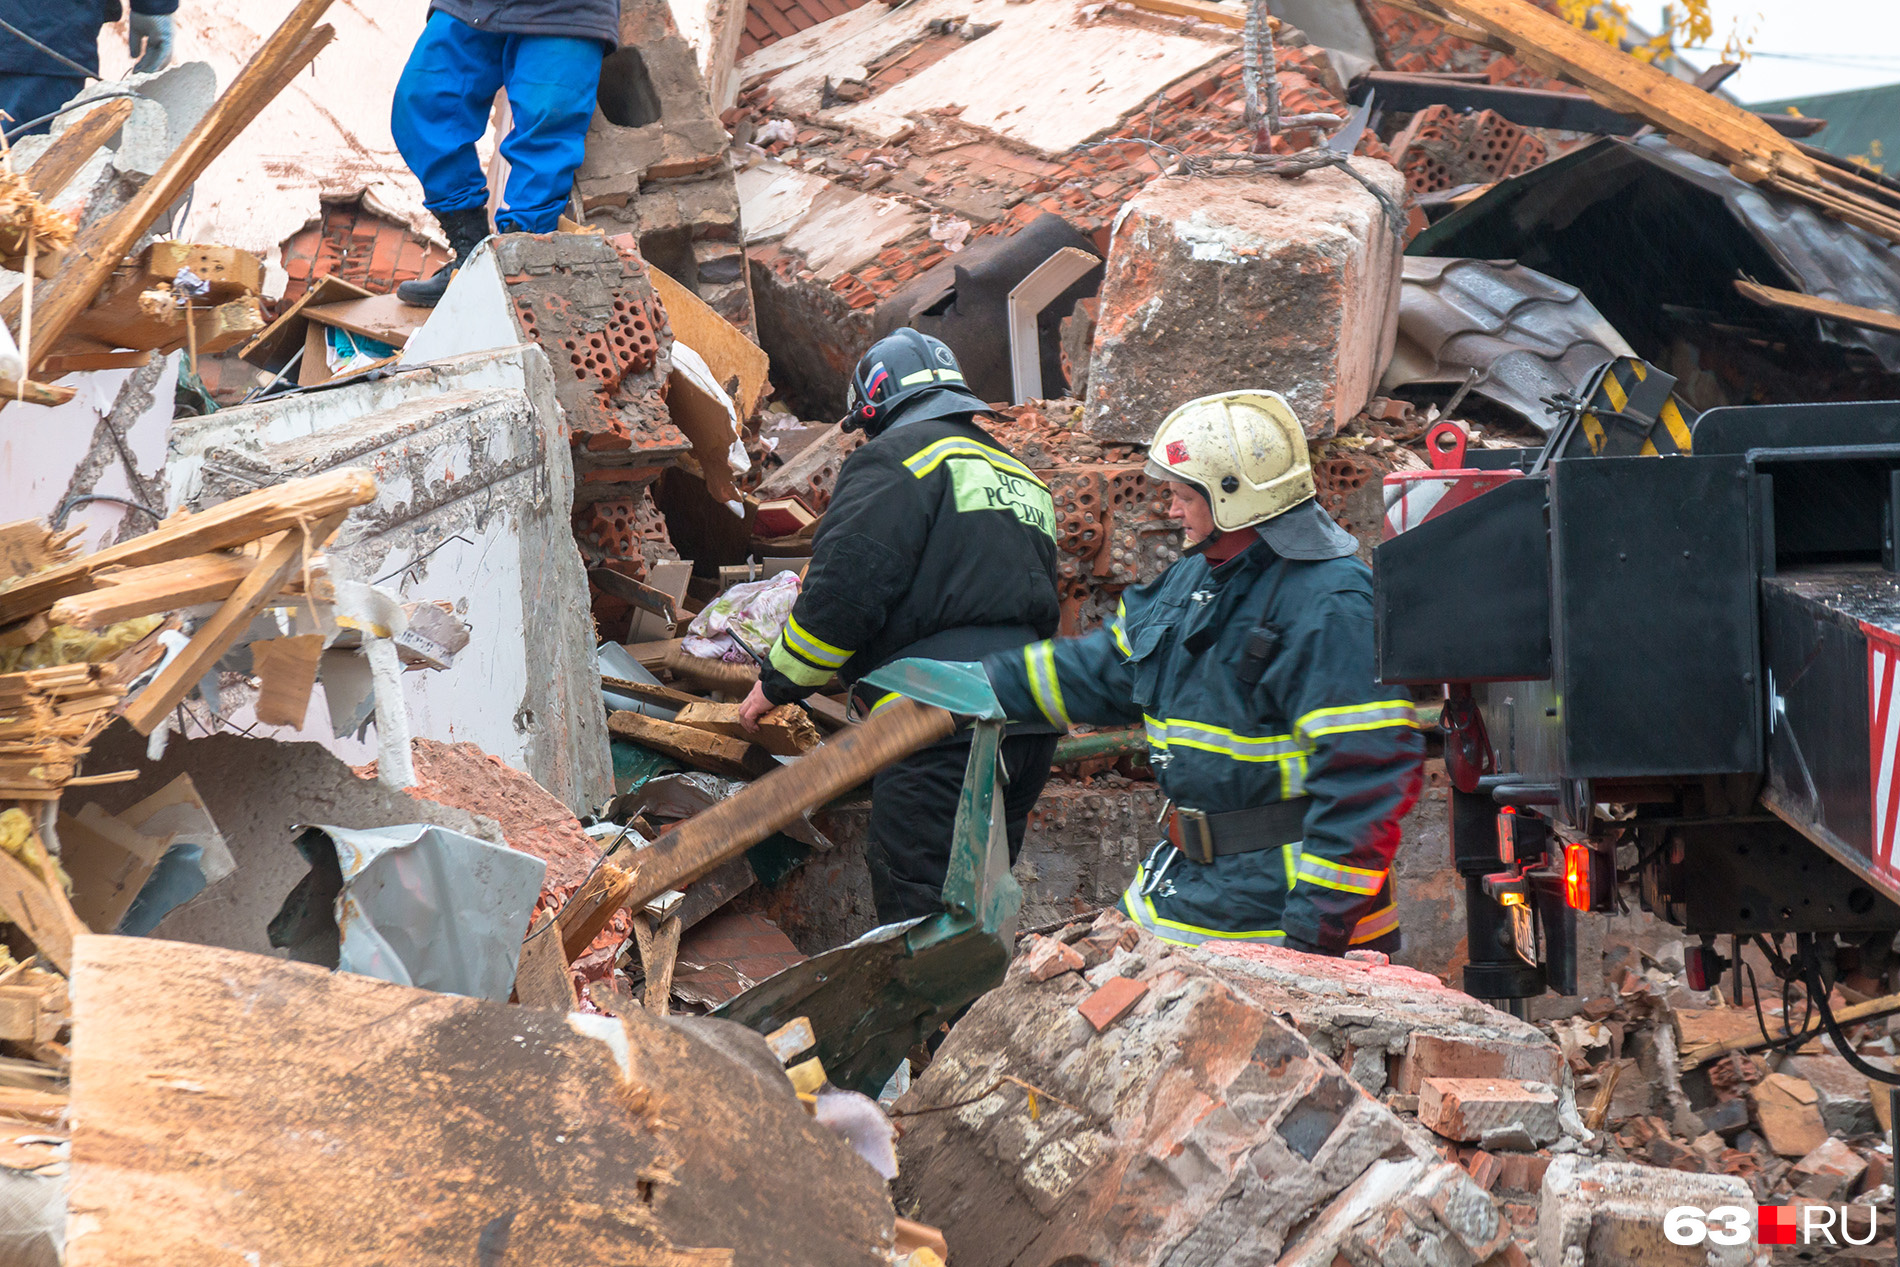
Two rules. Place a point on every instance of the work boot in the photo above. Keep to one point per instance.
(466, 230)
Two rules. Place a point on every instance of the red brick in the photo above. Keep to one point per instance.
(1453, 1056)
(1484, 1169)
(1465, 1108)
(1045, 957)
(1522, 1172)
(1112, 1002)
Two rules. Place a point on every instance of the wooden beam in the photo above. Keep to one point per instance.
(659, 945)
(99, 248)
(725, 831)
(80, 362)
(281, 508)
(713, 675)
(62, 160)
(215, 636)
(1218, 14)
(1814, 306)
(592, 907)
(697, 748)
(33, 393)
(39, 909)
(786, 731)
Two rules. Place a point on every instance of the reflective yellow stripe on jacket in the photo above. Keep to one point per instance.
(1142, 911)
(1333, 875)
(1347, 718)
(807, 660)
(929, 458)
(1040, 658)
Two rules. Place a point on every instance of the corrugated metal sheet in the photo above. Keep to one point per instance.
(1639, 225)
(1528, 335)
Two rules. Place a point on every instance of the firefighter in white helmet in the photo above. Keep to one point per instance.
(1250, 663)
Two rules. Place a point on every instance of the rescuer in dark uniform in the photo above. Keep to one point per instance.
(938, 544)
(1250, 662)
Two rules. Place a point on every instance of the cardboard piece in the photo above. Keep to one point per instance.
(739, 364)
(109, 862)
(279, 341)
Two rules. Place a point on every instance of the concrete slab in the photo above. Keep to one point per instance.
(476, 487)
(834, 228)
(1045, 76)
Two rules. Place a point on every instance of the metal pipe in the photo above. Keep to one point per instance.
(1132, 742)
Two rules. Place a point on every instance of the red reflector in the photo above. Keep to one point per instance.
(1577, 876)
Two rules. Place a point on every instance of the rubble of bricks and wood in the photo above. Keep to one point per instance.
(376, 826)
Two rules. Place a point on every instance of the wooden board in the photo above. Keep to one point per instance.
(696, 748)
(316, 1119)
(232, 273)
(542, 978)
(282, 337)
(736, 361)
(288, 667)
(219, 631)
(40, 910)
(786, 731)
(1814, 306)
(294, 504)
(100, 246)
(63, 159)
(384, 318)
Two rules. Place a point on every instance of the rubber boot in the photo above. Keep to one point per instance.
(466, 229)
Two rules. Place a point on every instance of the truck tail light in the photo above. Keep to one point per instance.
(1577, 877)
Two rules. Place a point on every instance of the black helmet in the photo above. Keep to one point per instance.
(899, 370)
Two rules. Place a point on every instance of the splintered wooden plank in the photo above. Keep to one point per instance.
(232, 273)
(315, 1119)
(215, 636)
(284, 507)
(162, 587)
(29, 392)
(39, 909)
(100, 247)
(736, 361)
(62, 160)
(786, 731)
(592, 907)
(1814, 306)
(696, 748)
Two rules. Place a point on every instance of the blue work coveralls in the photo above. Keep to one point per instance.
(1316, 724)
(547, 54)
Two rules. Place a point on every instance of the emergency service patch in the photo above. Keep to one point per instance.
(1177, 453)
(981, 486)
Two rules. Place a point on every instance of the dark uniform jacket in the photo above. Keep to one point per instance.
(938, 543)
(583, 19)
(69, 26)
(1317, 724)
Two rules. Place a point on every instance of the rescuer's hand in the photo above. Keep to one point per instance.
(755, 707)
(153, 33)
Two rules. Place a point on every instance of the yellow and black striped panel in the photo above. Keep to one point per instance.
(1632, 414)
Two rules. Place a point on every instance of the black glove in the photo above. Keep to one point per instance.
(1290, 942)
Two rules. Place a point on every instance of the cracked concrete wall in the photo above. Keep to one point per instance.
(109, 440)
(475, 481)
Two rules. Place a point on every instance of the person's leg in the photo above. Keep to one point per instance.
(552, 83)
(441, 109)
(27, 97)
(1026, 760)
(913, 814)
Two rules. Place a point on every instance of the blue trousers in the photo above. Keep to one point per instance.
(27, 97)
(441, 110)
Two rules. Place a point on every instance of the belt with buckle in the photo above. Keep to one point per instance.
(1204, 837)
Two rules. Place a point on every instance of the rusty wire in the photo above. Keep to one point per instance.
(1029, 1089)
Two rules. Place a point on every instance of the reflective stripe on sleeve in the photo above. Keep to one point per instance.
(1040, 658)
(813, 650)
(930, 457)
(1115, 627)
(1177, 732)
(1353, 717)
(1376, 925)
(796, 667)
(1332, 875)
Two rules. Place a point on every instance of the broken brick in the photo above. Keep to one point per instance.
(1465, 1108)
(1484, 1169)
(1460, 1056)
(1112, 1002)
(1522, 1172)
(1787, 1111)
(1829, 1172)
(1046, 957)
